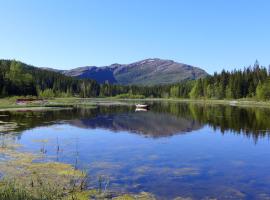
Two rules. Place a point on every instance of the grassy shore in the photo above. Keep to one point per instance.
(10, 103)
(131, 101)
(232, 102)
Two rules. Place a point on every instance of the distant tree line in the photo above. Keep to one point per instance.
(17, 78)
(252, 82)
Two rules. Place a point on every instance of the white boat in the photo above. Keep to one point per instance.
(233, 103)
(141, 110)
(141, 106)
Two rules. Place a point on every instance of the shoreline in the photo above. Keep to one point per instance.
(7, 104)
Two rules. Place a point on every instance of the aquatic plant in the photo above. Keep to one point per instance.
(25, 179)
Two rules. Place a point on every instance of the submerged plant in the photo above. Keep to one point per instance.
(25, 179)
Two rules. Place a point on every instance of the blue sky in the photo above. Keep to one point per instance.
(212, 34)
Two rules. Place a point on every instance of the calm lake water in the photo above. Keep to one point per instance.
(173, 150)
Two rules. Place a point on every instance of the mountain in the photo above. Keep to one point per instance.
(146, 72)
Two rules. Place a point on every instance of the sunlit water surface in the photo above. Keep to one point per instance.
(172, 150)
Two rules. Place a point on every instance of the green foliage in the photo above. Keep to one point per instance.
(174, 91)
(197, 90)
(16, 80)
(14, 191)
(19, 79)
(233, 85)
(263, 90)
(18, 76)
(10, 192)
(129, 96)
(47, 93)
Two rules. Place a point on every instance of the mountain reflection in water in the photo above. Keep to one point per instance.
(147, 124)
(164, 119)
(198, 151)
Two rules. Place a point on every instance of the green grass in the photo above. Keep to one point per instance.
(25, 179)
(9, 191)
(14, 190)
(129, 96)
(235, 102)
(10, 103)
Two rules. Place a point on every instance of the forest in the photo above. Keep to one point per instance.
(17, 78)
(20, 79)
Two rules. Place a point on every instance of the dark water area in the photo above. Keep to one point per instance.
(173, 150)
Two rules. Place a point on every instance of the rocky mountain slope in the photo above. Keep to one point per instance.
(146, 72)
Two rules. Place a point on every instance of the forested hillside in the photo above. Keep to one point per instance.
(17, 78)
(250, 82)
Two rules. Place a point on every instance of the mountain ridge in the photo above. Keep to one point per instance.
(151, 71)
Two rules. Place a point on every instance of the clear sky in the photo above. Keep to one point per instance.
(212, 34)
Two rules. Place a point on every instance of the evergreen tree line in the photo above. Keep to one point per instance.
(17, 78)
(252, 82)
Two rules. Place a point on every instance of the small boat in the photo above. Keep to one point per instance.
(233, 103)
(141, 110)
(142, 106)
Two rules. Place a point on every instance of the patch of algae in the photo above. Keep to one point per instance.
(41, 178)
(141, 196)
(49, 180)
(41, 141)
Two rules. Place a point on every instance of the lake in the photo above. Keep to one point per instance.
(173, 150)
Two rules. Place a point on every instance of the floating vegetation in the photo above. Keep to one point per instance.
(41, 141)
(141, 196)
(105, 165)
(7, 126)
(39, 179)
(25, 179)
(185, 198)
(176, 172)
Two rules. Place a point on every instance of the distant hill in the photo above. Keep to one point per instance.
(20, 79)
(146, 72)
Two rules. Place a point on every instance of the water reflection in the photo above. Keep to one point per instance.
(164, 119)
(148, 124)
(198, 151)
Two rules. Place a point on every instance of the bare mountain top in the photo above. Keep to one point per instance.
(146, 72)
